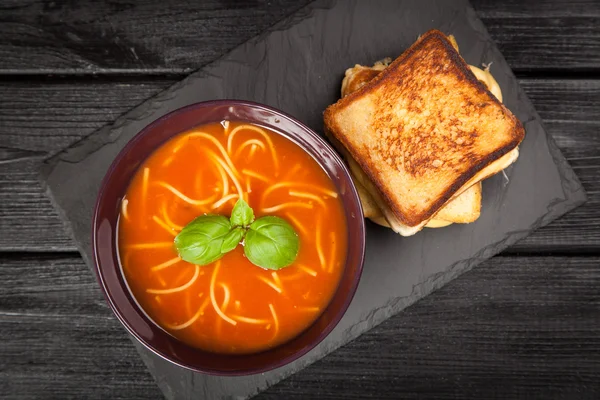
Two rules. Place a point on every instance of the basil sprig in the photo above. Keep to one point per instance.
(269, 242)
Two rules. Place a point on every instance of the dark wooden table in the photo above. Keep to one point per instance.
(524, 324)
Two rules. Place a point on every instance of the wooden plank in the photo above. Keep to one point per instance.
(149, 36)
(544, 36)
(49, 115)
(153, 36)
(36, 120)
(60, 339)
(28, 222)
(514, 326)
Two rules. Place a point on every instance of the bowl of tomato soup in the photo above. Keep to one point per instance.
(228, 237)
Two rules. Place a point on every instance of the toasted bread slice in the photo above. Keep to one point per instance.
(424, 130)
(464, 208)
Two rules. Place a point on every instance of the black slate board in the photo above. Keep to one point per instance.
(297, 67)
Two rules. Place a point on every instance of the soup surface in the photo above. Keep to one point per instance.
(231, 305)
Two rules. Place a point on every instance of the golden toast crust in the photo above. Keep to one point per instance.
(423, 128)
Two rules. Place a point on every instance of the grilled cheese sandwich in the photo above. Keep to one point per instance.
(413, 168)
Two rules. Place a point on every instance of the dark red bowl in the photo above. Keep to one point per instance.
(104, 229)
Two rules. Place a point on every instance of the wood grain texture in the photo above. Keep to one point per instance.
(27, 219)
(514, 326)
(153, 36)
(59, 339)
(544, 35)
(566, 107)
(37, 120)
(48, 115)
(149, 36)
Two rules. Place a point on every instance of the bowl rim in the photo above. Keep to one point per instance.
(132, 143)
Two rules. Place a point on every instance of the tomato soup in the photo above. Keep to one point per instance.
(231, 305)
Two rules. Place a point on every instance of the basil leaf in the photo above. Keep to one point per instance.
(232, 239)
(200, 241)
(271, 243)
(242, 214)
